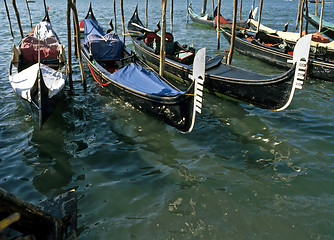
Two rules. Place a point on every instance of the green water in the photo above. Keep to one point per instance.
(243, 173)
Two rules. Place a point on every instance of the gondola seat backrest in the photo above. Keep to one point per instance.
(153, 40)
(169, 44)
(222, 20)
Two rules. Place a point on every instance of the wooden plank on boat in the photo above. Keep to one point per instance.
(52, 219)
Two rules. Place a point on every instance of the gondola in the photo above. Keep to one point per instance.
(275, 47)
(318, 40)
(207, 19)
(126, 76)
(37, 71)
(264, 91)
(327, 28)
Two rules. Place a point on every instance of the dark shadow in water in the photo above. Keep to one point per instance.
(244, 128)
(49, 159)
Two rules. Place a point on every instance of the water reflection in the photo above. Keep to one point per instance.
(259, 144)
(50, 160)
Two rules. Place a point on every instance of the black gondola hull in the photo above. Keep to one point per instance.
(271, 94)
(174, 111)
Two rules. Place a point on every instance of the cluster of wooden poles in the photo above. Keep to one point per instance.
(234, 25)
(303, 6)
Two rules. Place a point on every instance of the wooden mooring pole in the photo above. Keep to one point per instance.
(18, 18)
(321, 14)
(77, 39)
(204, 6)
(218, 24)
(301, 18)
(298, 14)
(123, 24)
(77, 29)
(234, 24)
(316, 7)
(69, 46)
(306, 20)
(163, 38)
(259, 19)
(146, 13)
(29, 12)
(171, 15)
(240, 10)
(75, 33)
(10, 23)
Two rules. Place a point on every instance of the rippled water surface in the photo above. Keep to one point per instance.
(243, 173)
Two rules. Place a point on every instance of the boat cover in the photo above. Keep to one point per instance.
(44, 30)
(143, 80)
(49, 44)
(49, 48)
(101, 45)
(23, 81)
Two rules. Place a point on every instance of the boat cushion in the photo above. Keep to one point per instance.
(150, 36)
(317, 37)
(153, 40)
(49, 48)
(142, 80)
(101, 45)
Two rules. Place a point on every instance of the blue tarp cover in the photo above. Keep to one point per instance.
(143, 80)
(102, 46)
